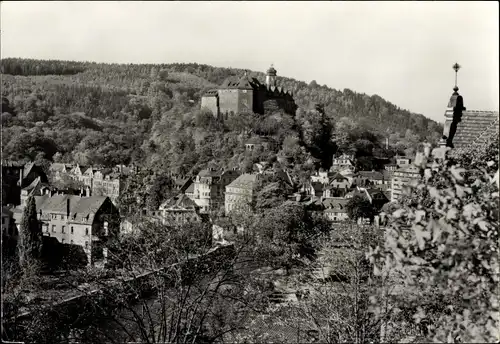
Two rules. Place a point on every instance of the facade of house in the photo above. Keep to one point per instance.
(99, 181)
(365, 178)
(245, 95)
(333, 209)
(84, 221)
(179, 210)
(339, 181)
(321, 176)
(209, 188)
(241, 192)
(401, 179)
(344, 162)
(260, 143)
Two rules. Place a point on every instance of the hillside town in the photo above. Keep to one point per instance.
(70, 215)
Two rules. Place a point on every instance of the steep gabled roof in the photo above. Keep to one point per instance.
(474, 128)
(81, 206)
(181, 201)
(337, 176)
(34, 184)
(242, 83)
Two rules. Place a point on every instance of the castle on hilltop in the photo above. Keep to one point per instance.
(245, 94)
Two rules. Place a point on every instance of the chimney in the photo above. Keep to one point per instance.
(21, 176)
(68, 206)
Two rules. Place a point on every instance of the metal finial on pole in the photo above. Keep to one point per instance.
(456, 67)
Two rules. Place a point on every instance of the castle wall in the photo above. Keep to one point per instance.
(245, 101)
(237, 101)
(210, 103)
(228, 101)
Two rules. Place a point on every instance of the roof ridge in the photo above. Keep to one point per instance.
(493, 124)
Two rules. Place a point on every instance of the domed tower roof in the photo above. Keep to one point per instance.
(271, 71)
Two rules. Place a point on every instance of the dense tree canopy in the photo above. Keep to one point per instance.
(149, 115)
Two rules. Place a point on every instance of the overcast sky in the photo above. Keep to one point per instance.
(402, 51)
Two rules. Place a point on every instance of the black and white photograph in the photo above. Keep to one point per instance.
(247, 172)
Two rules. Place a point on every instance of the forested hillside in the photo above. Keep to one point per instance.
(108, 114)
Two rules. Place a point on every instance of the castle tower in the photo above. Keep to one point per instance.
(271, 77)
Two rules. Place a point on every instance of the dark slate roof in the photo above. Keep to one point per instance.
(28, 167)
(190, 188)
(371, 175)
(243, 83)
(33, 184)
(210, 173)
(180, 201)
(335, 204)
(476, 127)
(211, 93)
(245, 181)
(81, 206)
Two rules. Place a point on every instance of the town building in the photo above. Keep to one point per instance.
(241, 192)
(401, 179)
(339, 181)
(368, 178)
(180, 209)
(100, 181)
(403, 161)
(333, 209)
(209, 187)
(84, 221)
(259, 143)
(246, 95)
(344, 162)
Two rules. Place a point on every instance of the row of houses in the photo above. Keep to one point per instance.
(98, 181)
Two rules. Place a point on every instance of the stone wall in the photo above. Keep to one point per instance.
(211, 103)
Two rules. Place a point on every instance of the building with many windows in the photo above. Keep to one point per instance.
(241, 192)
(401, 179)
(84, 221)
(179, 210)
(209, 187)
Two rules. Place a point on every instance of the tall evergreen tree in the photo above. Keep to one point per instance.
(30, 234)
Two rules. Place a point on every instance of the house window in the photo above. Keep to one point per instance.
(62, 241)
(62, 217)
(72, 242)
(63, 229)
(87, 231)
(53, 228)
(86, 244)
(71, 229)
(3, 220)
